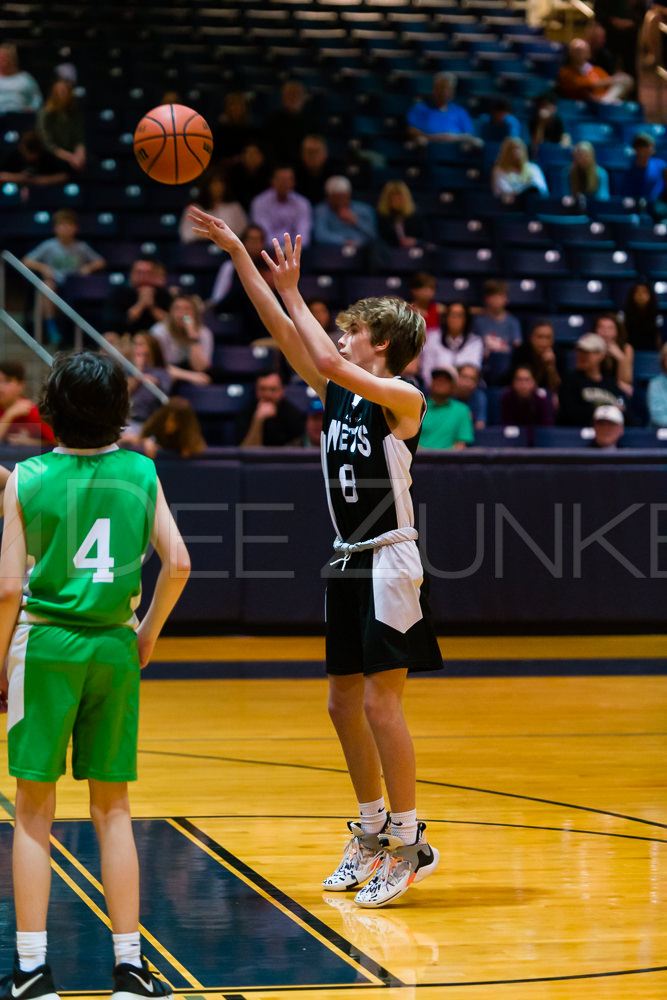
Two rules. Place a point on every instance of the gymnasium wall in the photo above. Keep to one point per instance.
(510, 538)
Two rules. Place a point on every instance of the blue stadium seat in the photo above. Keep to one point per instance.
(372, 286)
(599, 133)
(151, 226)
(529, 233)
(645, 437)
(301, 395)
(244, 362)
(646, 365)
(462, 232)
(526, 293)
(652, 262)
(536, 263)
(481, 261)
(626, 111)
(195, 256)
(461, 289)
(403, 260)
(321, 286)
(327, 259)
(89, 288)
(603, 263)
(494, 394)
(563, 437)
(575, 294)
(501, 437)
(567, 328)
(216, 400)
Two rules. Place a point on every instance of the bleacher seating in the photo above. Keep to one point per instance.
(364, 62)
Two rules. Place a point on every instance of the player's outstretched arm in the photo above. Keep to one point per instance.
(4, 476)
(279, 325)
(403, 401)
(13, 559)
(175, 570)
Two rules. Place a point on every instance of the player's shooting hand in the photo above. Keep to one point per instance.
(287, 266)
(213, 229)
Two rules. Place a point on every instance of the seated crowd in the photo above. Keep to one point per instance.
(482, 365)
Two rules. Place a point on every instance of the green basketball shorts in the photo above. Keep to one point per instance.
(81, 683)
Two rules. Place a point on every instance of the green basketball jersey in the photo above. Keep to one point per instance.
(88, 520)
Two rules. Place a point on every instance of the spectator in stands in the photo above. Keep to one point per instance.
(399, 222)
(18, 89)
(312, 437)
(60, 125)
(280, 210)
(422, 287)
(213, 197)
(447, 422)
(580, 80)
(56, 258)
(173, 427)
(438, 119)
(498, 328)
(618, 362)
(546, 125)
(524, 404)
(601, 55)
(454, 344)
(322, 313)
(254, 240)
(641, 317)
(271, 420)
(656, 394)
(20, 422)
(587, 178)
(233, 130)
(539, 354)
(314, 168)
(148, 357)
(187, 344)
(608, 424)
(251, 174)
(143, 301)
(31, 165)
(647, 177)
(340, 221)
(621, 20)
(499, 123)
(586, 388)
(285, 128)
(469, 391)
(514, 176)
(652, 37)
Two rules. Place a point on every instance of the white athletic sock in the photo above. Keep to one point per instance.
(372, 815)
(31, 947)
(404, 825)
(127, 948)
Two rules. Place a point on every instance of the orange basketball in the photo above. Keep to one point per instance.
(173, 144)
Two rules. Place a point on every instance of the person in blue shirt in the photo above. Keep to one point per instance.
(340, 221)
(499, 123)
(438, 119)
(645, 180)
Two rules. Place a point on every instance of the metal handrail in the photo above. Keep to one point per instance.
(6, 257)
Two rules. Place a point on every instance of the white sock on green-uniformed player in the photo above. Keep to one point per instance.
(31, 949)
(127, 948)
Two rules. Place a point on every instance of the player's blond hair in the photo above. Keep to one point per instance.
(392, 320)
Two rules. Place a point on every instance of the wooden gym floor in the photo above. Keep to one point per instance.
(546, 795)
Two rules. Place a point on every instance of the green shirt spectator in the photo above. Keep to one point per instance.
(448, 422)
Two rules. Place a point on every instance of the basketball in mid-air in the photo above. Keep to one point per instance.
(173, 144)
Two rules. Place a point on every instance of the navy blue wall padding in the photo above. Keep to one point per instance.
(508, 536)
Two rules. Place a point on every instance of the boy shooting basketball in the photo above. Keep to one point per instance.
(79, 520)
(378, 627)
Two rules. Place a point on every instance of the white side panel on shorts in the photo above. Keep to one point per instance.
(16, 675)
(397, 580)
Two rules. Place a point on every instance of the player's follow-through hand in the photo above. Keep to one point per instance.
(287, 265)
(214, 229)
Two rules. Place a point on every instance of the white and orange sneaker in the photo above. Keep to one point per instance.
(402, 866)
(361, 857)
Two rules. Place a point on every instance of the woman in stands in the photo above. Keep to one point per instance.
(173, 427)
(186, 343)
(399, 223)
(587, 178)
(619, 360)
(641, 317)
(148, 357)
(453, 345)
(513, 174)
(60, 125)
(213, 196)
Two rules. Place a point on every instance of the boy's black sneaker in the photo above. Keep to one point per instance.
(130, 982)
(35, 985)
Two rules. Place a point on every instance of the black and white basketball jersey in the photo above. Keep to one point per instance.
(366, 468)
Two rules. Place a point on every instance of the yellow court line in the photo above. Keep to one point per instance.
(103, 917)
(537, 647)
(374, 980)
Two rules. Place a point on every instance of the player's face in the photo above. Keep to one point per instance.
(355, 346)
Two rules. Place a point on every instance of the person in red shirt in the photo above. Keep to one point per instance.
(20, 422)
(580, 80)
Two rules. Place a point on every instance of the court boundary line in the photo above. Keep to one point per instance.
(295, 911)
(420, 781)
